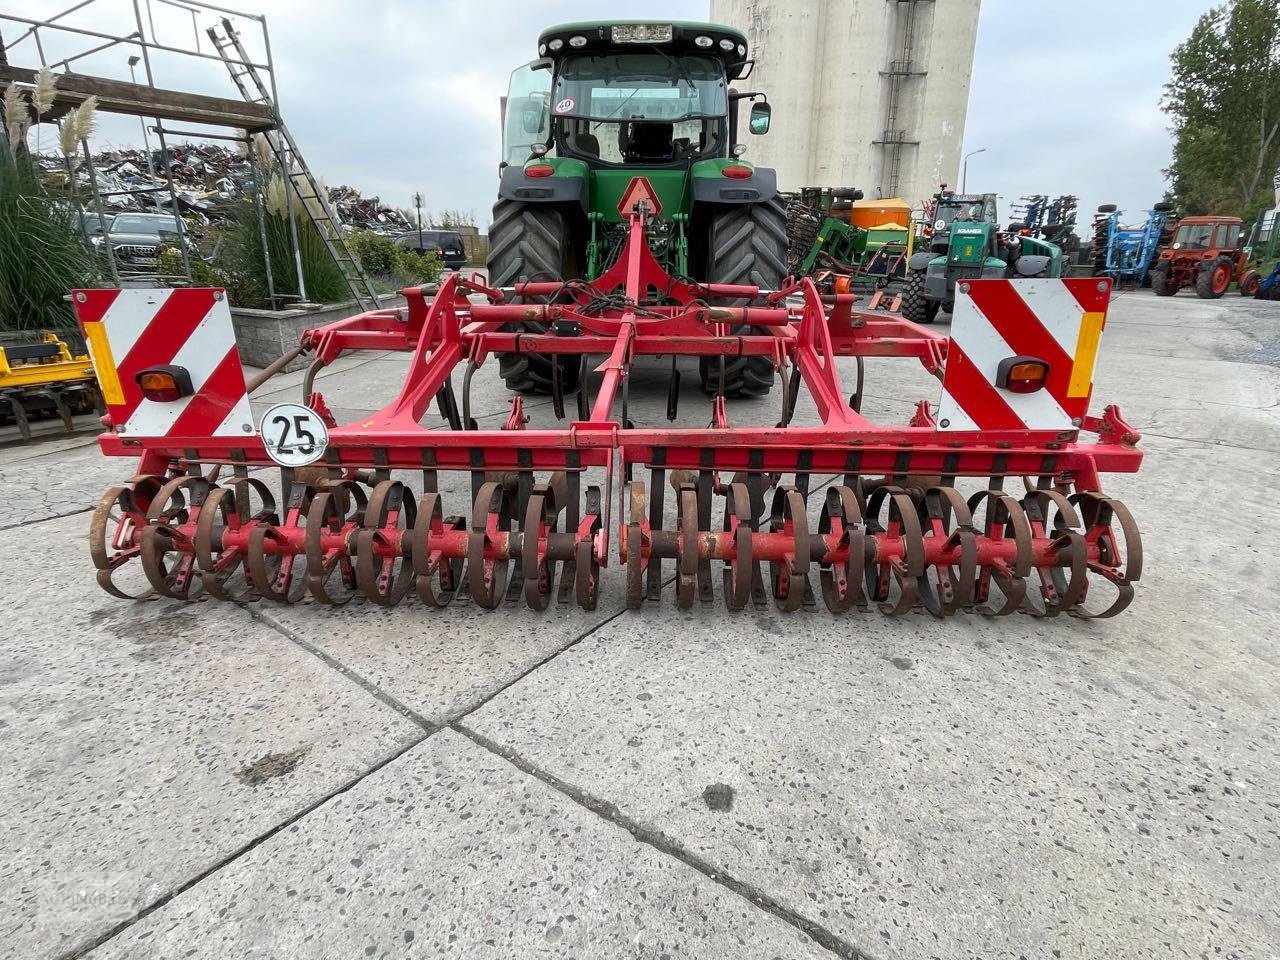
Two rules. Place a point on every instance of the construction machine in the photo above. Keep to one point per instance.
(963, 242)
(630, 226)
(1208, 254)
(40, 376)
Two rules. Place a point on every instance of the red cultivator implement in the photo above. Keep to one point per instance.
(894, 530)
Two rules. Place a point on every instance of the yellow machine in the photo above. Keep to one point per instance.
(39, 376)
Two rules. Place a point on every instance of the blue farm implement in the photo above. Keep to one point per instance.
(1129, 254)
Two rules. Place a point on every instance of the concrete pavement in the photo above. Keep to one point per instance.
(227, 781)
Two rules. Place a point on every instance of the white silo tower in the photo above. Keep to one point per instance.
(866, 93)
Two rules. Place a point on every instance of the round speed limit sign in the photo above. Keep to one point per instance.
(293, 434)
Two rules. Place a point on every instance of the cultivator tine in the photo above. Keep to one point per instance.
(572, 481)
(658, 485)
(789, 574)
(383, 571)
(438, 577)
(1120, 565)
(584, 393)
(705, 592)
(1004, 521)
(638, 544)
(178, 502)
(447, 401)
(487, 571)
(673, 392)
(586, 563)
(841, 519)
(273, 567)
(337, 512)
(740, 567)
(945, 517)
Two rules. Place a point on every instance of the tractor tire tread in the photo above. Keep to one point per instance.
(915, 305)
(528, 240)
(748, 245)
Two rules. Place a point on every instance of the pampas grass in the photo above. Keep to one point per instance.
(42, 97)
(16, 116)
(42, 93)
(86, 119)
(42, 255)
(76, 128)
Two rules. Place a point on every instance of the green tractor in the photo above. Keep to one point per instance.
(964, 242)
(612, 113)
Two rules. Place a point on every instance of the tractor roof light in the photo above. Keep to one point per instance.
(577, 41)
(1022, 374)
(165, 383)
(542, 49)
(539, 170)
(703, 42)
(736, 171)
(726, 44)
(555, 45)
(742, 50)
(739, 149)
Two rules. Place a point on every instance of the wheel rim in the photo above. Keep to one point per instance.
(1221, 278)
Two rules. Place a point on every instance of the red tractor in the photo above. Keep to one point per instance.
(1207, 253)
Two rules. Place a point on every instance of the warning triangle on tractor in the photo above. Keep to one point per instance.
(639, 189)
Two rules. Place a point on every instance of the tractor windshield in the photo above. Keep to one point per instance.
(1194, 236)
(640, 86)
(957, 211)
(640, 108)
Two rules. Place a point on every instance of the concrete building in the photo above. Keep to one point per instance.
(865, 93)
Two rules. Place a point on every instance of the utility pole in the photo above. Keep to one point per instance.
(417, 202)
(964, 177)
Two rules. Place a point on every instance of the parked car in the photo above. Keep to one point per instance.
(136, 237)
(91, 225)
(446, 244)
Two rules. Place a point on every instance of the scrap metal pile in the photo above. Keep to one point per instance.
(1036, 533)
(207, 180)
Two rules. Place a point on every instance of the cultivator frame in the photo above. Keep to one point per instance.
(895, 533)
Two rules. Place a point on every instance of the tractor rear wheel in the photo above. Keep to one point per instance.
(530, 241)
(1213, 279)
(1160, 282)
(748, 246)
(917, 307)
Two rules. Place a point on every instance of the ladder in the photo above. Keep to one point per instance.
(305, 186)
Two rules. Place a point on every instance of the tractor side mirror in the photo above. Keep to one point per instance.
(760, 114)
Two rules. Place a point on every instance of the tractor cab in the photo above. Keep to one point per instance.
(616, 118)
(606, 103)
(1208, 254)
(973, 213)
(964, 242)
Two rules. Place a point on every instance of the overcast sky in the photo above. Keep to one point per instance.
(393, 96)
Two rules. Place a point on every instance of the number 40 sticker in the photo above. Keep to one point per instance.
(293, 434)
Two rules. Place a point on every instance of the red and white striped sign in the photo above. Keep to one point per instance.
(131, 330)
(1057, 321)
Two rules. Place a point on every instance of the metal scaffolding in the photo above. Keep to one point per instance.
(255, 112)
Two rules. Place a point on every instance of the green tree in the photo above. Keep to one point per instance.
(1224, 102)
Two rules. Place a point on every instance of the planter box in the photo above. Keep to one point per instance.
(264, 335)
